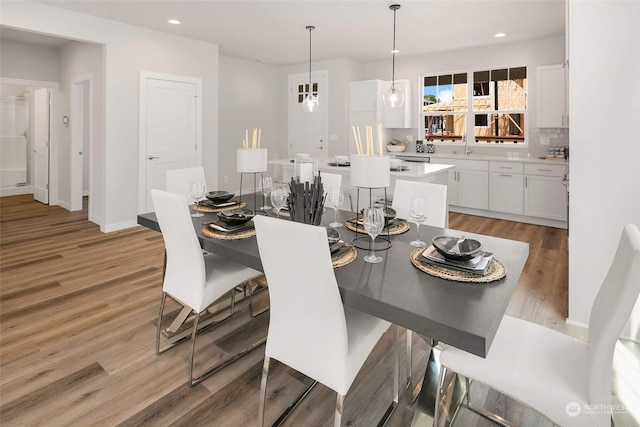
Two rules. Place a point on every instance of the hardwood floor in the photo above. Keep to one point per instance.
(77, 333)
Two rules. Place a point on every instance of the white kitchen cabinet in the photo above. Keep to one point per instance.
(365, 109)
(552, 111)
(366, 95)
(506, 187)
(545, 195)
(401, 117)
(468, 184)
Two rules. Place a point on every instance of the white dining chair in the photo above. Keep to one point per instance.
(179, 180)
(191, 278)
(437, 216)
(434, 194)
(330, 180)
(310, 329)
(565, 379)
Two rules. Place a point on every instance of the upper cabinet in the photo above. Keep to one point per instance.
(365, 96)
(400, 117)
(552, 108)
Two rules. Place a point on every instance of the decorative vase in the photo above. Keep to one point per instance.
(370, 171)
(251, 160)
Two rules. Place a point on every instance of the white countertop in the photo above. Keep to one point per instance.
(522, 159)
(416, 170)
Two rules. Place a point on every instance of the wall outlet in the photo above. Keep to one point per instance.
(409, 138)
(544, 140)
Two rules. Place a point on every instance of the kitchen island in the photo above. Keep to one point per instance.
(410, 171)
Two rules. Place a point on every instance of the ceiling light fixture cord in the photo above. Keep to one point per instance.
(393, 98)
(394, 7)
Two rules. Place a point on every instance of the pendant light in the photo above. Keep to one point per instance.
(310, 103)
(393, 98)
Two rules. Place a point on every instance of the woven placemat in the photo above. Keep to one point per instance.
(344, 257)
(398, 226)
(207, 209)
(495, 272)
(228, 235)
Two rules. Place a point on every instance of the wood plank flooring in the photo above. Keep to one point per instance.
(77, 334)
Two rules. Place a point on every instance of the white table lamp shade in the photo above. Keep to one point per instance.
(251, 160)
(370, 171)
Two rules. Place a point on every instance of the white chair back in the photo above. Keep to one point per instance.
(179, 180)
(434, 194)
(610, 312)
(185, 270)
(307, 326)
(330, 180)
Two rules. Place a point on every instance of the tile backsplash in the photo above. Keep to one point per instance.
(554, 137)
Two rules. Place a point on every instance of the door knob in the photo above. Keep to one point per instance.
(153, 157)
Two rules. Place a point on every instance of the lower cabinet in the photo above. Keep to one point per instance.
(505, 193)
(468, 183)
(533, 190)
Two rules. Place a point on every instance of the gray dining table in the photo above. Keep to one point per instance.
(463, 315)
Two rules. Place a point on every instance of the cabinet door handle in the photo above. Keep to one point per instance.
(526, 181)
(505, 167)
(544, 170)
(506, 175)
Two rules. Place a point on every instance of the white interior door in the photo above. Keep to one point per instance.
(80, 141)
(170, 129)
(41, 145)
(308, 132)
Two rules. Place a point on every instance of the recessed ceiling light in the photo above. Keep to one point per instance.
(395, 51)
(498, 35)
(173, 21)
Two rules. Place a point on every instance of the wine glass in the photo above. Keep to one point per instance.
(418, 214)
(278, 198)
(266, 189)
(373, 220)
(197, 191)
(335, 198)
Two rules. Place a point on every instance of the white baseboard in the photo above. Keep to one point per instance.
(108, 228)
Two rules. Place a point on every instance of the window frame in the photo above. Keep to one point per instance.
(470, 112)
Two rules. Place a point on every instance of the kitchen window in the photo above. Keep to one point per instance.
(496, 113)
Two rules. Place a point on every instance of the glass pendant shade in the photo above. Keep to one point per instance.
(393, 98)
(310, 103)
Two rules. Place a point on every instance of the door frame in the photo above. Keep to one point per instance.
(142, 145)
(54, 120)
(323, 105)
(80, 113)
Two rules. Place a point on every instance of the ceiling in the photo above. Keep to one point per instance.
(274, 32)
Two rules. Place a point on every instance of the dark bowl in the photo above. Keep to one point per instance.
(332, 235)
(389, 214)
(219, 196)
(446, 245)
(236, 216)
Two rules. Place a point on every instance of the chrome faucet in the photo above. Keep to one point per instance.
(466, 150)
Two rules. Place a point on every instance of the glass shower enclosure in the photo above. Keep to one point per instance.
(14, 141)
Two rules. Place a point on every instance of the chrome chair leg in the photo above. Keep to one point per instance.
(193, 349)
(263, 391)
(251, 292)
(409, 357)
(164, 298)
(337, 419)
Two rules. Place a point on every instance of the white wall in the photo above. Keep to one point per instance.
(128, 50)
(250, 97)
(28, 61)
(81, 59)
(530, 54)
(341, 71)
(604, 100)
